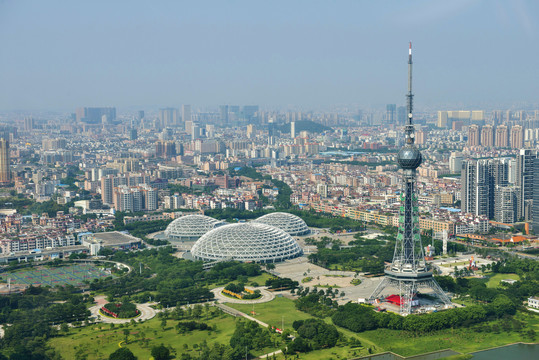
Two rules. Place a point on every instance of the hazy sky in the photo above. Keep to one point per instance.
(305, 54)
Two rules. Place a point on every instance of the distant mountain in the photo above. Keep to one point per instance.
(307, 125)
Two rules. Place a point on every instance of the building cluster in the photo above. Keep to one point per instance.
(98, 161)
(26, 233)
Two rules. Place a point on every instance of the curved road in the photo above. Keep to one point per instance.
(266, 296)
(146, 312)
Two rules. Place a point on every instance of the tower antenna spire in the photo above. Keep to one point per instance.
(409, 128)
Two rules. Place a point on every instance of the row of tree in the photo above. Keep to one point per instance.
(360, 318)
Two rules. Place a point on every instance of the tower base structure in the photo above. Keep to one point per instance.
(408, 285)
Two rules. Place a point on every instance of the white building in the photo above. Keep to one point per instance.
(533, 302)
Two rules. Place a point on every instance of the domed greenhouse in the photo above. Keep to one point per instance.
(292, 224)
(191, 227)
(246, 242)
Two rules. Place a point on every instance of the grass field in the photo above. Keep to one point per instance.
(259, 279)
(460, 340)
(273, 312)
(98, 341)
(54, 276)
(494, 281)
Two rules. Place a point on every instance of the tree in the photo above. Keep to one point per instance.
(160, 352)
(197, 311)
(126, 334)
(122, 354)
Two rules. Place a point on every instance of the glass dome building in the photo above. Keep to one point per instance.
(292, 224)
(191, 227)
(246, 242)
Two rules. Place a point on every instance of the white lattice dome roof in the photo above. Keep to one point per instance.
(246, 242)
(292, 224)
(191, 227)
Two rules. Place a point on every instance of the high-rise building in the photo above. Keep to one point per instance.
(94, 115)
(497, 117)
(107, 186)
(223, 111)
(271, 132)
(5, 173)
(322, 189)
(249, 112)
(473, 135)
(401, 115)
(476, 182)
(487, 136)
(29, 124)
(517, 137)
(140, 115)
(447, 118)
(168, 117)
(133, 135)
(525, 181)
(186, 113)
(195, 131)
(512, 171)
(442, 119)
(479, 181)
(506, 204)
(455, 163)
(210, 131)
(189, 127)
(535, 196)
(293, 129)
(421, 137)
(165, 149)
(250, 131)
(502, 136)
(391, 113)
(53, 144)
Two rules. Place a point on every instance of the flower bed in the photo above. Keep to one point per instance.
(120, 310)
(240, 292)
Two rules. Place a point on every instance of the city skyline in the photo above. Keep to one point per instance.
(306, 55)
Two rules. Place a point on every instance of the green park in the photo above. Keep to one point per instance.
(56, 320)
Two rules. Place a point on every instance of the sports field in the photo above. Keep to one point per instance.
(53, 276)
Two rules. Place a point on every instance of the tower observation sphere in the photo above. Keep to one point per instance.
(409, 157)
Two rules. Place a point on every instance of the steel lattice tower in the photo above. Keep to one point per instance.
(408, 271)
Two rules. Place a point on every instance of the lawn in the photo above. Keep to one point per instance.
(494, 281)
(460, 340)
(274, 312)
(98, 341)
(259, 279)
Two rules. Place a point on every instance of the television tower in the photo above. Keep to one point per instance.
(408, 271)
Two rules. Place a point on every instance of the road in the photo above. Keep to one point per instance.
(146, 312)
(266, 296)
